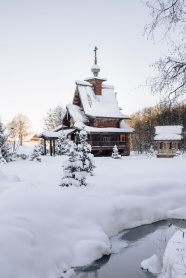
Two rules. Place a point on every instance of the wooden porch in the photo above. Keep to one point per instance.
(103, 143)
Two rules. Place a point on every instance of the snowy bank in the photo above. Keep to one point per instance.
(46, 229)
(173, 262)
(174, 259)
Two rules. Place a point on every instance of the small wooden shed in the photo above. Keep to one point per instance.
(168, 139)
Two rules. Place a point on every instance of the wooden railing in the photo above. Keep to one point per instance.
(167, 151)
(107, 144)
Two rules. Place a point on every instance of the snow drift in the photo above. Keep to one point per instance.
(46, 229)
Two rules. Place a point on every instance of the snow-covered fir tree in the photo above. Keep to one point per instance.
(40, 147)
(61, 145)
(73, 173)
(180, 154)
(115, 153)
(5, 151)
(2, 160)
(69, 145)
(85, 155)
(152, 153)
(35, 155)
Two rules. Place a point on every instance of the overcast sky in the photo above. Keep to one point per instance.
(46, 45)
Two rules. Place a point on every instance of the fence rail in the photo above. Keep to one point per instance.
(108, 144)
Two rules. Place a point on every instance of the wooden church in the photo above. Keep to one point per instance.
(95, 109)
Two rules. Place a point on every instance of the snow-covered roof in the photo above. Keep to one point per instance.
(59, 127)
(94, 77)
(77, 113)
(168, 136)
(104, 105)
(54, 134)
(123, 128)
(29, 137)
(168, 132)
(173, 129)
(106, 129)
(80, 121)
(123, 125)
(25, 139)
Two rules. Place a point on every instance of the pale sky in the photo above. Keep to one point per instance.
(46, 45)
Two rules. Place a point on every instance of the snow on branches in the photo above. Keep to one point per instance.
(61, 146)
(85, 155)
(152, 153)
(180, 154)
(115, 153)
(35, 155)
(73, 173)
(5, 153)
(80, 162)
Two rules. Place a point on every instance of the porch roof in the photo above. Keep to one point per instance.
(124, 128)
(55, 134)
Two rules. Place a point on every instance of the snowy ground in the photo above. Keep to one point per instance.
(46, 229)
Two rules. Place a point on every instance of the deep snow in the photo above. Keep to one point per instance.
(46, 229)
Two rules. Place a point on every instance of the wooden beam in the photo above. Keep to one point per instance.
(44, 146)
(54, 147)
(50, 147)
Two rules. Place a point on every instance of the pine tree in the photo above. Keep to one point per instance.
(61, 146)
(5, 152)
(180, 154)
(73, 169)
(84, 150)
(35, 155)
(115, 153)
(69, 145)
(2, 160)
(40, 147)
(152, 153)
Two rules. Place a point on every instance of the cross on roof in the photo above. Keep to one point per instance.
(95, 49)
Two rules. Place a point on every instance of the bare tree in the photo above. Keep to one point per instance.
(19, 127)
(54, 117)
(144, 122)
(169, 16)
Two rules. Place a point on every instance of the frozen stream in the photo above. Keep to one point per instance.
(130, 248)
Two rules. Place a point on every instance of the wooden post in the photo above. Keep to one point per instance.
(53, 146)
(90, 139)
(44, 146)
(127, 144)
(50, 147)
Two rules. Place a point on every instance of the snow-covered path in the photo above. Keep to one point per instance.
(46, 229)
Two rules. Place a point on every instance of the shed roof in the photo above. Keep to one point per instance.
(54, 134)
(169, 136)
(168, 133)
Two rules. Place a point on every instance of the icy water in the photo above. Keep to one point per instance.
(130, 248)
